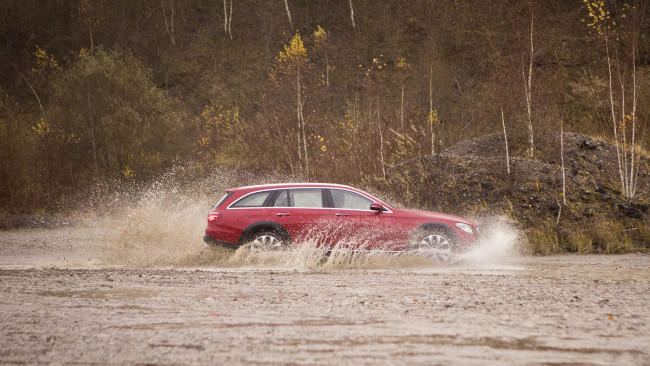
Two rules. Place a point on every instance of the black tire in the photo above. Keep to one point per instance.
(435, 242)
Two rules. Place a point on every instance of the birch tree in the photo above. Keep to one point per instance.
(290, 65)
(286, 5)
(227, 17)
(87, 14)
(620, 46)
(352, 14)
(321, 43)
(402, 66)
(528, 89)
(169, 25)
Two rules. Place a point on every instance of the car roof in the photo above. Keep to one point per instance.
(248, 189)
(290, 185)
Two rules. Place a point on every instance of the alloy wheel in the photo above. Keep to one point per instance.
(265, 242)
(436, 246)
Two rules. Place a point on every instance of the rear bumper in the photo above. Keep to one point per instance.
(212, 241)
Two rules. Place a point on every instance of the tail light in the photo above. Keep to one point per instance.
(214, 216)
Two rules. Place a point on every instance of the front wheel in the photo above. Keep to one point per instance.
(437, 244)
(267, 240)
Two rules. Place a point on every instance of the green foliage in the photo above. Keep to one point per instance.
(107, 114)
(15, 157)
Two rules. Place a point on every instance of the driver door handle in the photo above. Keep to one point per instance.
(282, 214)
(341, 214)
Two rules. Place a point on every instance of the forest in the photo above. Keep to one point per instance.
(343, 91)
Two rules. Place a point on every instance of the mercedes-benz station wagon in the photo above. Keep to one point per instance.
(331, 216)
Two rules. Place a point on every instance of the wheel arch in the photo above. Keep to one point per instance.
(263, 225)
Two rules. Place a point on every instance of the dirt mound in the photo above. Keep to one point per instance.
(471, 178)
(580, 152)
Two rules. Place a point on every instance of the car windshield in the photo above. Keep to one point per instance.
(388, 202)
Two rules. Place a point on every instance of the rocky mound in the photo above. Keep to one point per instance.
(471, 178)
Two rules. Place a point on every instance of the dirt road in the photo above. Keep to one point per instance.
(65, 301)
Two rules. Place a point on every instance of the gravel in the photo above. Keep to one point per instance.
(62, 303)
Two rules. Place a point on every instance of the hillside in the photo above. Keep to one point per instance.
(103, 91)
(471, 178)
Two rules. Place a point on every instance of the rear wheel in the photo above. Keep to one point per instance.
(267, 240)
(436, 243)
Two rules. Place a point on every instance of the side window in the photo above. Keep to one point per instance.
(350, 200)
(252, 200)
(310, 197)
(282, 200)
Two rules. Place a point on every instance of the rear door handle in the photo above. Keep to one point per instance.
(341, 214)
(282, 214)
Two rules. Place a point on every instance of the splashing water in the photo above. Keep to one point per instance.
(162, 225)
(498, 246)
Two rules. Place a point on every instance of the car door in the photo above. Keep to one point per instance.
(361, 227)
(302, 212)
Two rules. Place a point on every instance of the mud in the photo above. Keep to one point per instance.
(96, 295)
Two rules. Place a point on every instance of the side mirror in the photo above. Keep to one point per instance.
(377, 207)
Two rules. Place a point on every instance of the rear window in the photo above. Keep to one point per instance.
(223, 199)
(252, 200)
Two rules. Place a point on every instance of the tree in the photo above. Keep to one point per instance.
(169, 26)
(528, 85)
(227, 18)
(402, 66)
(621, 52)
(321, 43)
(352, 14)
(107, 113)
(290, 65)
(88, 18)
(286, 5)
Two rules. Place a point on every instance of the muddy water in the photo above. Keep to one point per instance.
(145, 290)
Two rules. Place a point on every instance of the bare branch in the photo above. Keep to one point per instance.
(30, 87)
(170, 33)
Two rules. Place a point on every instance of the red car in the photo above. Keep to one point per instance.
(277, 216)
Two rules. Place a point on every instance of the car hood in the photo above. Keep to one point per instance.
(431, 215)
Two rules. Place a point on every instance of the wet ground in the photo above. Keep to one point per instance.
(91, 296)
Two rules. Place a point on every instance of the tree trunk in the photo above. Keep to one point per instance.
(92, 134)
(529, 96)
(286, 5)
(613, 113)
(381, 143)
(401, 112)
(433, 139)
(505, 137)
(170, 30)
(327, 70)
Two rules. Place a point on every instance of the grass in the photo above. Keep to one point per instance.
(606, 236)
